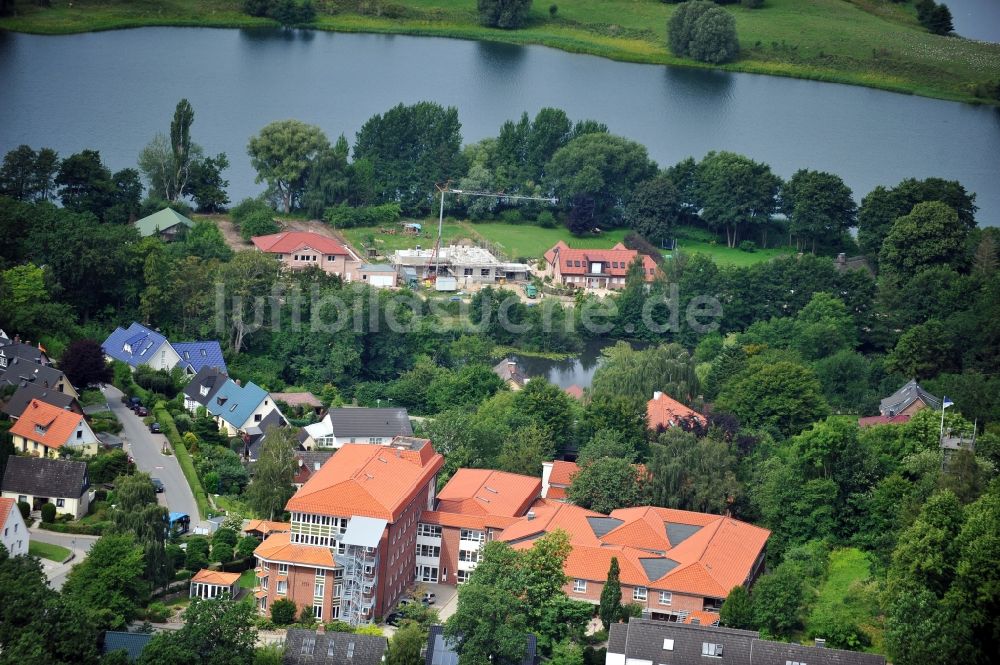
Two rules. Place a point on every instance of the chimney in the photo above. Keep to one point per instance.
(239, 383)
(657, 394)
(531, 515)
(320, 629)
(512, 364)
(820, 642)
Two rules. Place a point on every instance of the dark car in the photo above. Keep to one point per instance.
(154, 428)
(141, 411)
(134, 402)
(393, 619)
(157, 485)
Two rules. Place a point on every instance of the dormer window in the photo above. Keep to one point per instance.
(204, 354)
(203, 391)
(40, 429)
(127, 348)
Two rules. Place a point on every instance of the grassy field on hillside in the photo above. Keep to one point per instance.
(864, 42)
(526, 241)
(844, 593)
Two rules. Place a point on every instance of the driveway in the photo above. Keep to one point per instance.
(78, 545)
(146, 449)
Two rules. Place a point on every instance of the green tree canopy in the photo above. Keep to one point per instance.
(506, 14)
(272, 482)
(782, 394)
(282, 153)
(736, 193)
(819, 206)
(215, 632)
(654, 209)
(607, 484)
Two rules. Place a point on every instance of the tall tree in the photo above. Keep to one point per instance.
(84, 363)
(506, 14)
(932, 234)
(819, 206)
(138, 513)
(282, 153)
(215, 632)
(180, 146)
(654, 209)
(737, 609)
(610, 609)
(736, 193)
(607, 484)
(693, 474)
(406, 645)
(410, 148)
(110, 580)
(85, 183)
(272, 483)
(782, 394)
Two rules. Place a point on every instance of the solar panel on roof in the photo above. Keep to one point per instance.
(678, 533)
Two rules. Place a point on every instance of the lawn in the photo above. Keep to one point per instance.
(730, 256)
(48, 551)
(846, 593)
(363, 238)
(862, 42)
(248, 579)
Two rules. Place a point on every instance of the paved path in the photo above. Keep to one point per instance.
(78, 545)
(146, 449)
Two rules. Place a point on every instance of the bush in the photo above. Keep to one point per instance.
(93, 529)
(157, 613)
(553, 10)
(25, 509)
(506, 14)
(49, 513)
(246, 546)
(197, 554)
(222, 552)
(511, 216)
(258, 224)
(748, 246)
(247, 207)
(344, 216)
(546, 220)
(283, 612)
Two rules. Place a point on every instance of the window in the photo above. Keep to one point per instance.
(318, 611)
(639, 593)
(263, 583)
(282, 568)
(469, 534)
(794, 662)
(60, 503)
(668, 645)
(21, 498)
(331, 258)
(462, 576)
(467, 272)
(265, 565)
(429, 550)
(484, 272)
(666, 598)
(282, 587)
(79, 433)
(576, 264)
(471, 556)
(318, 589)
(579, 586)
(338, 573)
(569, 263)
(713, 650)
(429, 530)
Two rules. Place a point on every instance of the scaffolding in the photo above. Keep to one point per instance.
(360, 561)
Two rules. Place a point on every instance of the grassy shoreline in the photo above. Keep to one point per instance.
(859, 42)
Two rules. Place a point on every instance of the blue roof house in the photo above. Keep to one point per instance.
(196, 355)
(237, 407)
(138, 345)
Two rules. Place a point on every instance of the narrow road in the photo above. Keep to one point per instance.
(79, 545)
(146, 449)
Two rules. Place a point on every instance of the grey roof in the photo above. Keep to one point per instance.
(377, 267)
(601, 526)
(309, 647)
(677, 533)
(441, 652)
(26, 352)
(45, 477)
(22, 372)
(360, 422)
(209, 378)
(131, 643)
(19, 401)
(508, 370)
(657, 567)
(314, 459)
(364, 531)
(905, 396)
(258, 432)
(646, 639)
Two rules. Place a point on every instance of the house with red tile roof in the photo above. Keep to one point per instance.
(556, 478)
(349, 552)
(663, 412)
(298, 250)
(594, 268)
(473, 508)
(45, 430)
(13, 533)
(678, 565)
(208, 584)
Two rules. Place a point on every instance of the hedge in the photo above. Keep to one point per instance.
(95, 529)
(169, 429)
(345, 217)
(239, 565)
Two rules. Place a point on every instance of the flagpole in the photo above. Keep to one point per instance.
(941, 435)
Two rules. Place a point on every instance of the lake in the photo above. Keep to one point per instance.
(114, 90)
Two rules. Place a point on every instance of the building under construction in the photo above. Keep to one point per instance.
(467, 264)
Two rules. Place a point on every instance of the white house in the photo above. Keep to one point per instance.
(13, 533)
(357, 425)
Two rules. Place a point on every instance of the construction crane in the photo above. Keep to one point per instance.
(435, 256)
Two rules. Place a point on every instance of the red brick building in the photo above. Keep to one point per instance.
(594, 268)
(349, 553)
(473, 508)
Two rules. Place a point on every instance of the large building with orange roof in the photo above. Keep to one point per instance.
(45, 430)
(297, 250)
(595, 268)
(663, 412)
(473, 508)
(678, 565)
(349, 552)
(556, 478)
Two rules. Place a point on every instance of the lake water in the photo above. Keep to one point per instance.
(976, 19)
(578, 370)
(114, 90)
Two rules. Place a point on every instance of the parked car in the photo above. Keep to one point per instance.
(141, 411)
(134, 403)
(154, 428)
(393, 619)
(157, 485)
(428, 599)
